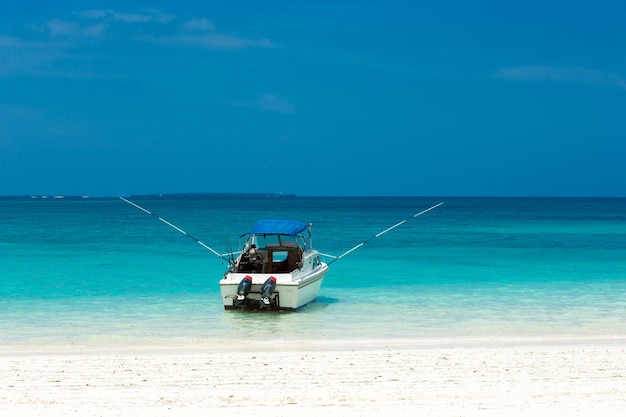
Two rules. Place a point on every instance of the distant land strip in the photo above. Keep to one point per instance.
(174, 196)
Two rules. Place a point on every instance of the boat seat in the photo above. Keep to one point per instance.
(294, 256)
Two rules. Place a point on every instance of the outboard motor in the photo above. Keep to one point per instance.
(266, 292)
(242, 291)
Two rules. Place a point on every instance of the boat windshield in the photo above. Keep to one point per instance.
(270, 254)
(273, 241)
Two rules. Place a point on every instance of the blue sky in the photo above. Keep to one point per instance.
(389, 98)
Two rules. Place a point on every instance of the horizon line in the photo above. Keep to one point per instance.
(206, 195)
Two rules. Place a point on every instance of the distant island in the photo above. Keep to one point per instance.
(208, 196)
(173, 196)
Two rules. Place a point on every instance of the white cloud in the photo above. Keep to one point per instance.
(273, 102)
(23, 57)
(565, 74)
(49, 41)
(215, 41)
(269, 102)
(198, 31)
(151, 15)
(198, 25)
(16, 43)
(58, 27)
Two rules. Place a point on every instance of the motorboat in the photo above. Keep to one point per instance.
(276, 269)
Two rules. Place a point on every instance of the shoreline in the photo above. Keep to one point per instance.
(542, 377)
(194, 345)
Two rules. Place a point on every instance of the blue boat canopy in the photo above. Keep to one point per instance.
(278, 227)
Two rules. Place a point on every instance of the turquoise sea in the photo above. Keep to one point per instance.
(101, 272)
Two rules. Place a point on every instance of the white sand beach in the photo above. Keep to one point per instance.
(482, 378)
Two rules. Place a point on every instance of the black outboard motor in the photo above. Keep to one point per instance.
(242, 291)
(266, 292)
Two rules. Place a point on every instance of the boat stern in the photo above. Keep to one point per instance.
(241, 291)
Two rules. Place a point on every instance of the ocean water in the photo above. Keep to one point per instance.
(101, 272)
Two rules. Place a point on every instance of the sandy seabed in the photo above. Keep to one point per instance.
(347, 378)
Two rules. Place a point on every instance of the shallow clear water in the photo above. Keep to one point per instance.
(101, 271)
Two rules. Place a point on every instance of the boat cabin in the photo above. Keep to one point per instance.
(272, 246)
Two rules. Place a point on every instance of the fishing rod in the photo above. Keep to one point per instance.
(223, 256)
(336, 258)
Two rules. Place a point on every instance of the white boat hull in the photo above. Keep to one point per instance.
(293, 290)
